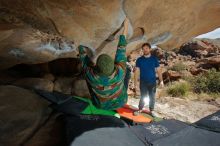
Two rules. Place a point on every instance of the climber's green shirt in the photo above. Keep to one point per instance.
(108, 92)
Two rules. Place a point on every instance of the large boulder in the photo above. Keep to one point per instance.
(201, 48)
(63, 84)
(22, 112)
(35, 83)
(210, 62)
(171, 76)
(172, 22)
(50, 134)
(80, 88)
(39, 31)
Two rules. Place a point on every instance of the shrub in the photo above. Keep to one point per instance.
(178, 67)
(179, 89)
(208, 82)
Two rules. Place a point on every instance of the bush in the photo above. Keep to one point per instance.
(179, 89)
(178, 67)
(208, 82)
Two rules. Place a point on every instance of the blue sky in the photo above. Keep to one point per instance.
(211, 35)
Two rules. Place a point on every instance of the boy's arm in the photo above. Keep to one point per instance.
(120, 57)
(84, 57)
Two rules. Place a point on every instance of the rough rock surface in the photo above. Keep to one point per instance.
(80, 88)
(64, 85)
(21, 114)
(35, 83)
(40, 31)
(200, 48)
(52, 133)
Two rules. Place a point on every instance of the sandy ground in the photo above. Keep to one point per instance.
(180, 109)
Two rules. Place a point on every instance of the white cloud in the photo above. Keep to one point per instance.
(211, 35)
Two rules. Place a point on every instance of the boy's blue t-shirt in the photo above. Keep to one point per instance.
(147, 67)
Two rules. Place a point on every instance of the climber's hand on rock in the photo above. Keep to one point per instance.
(86, 50)
(81, 49)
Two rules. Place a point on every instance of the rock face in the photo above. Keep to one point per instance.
(80, 88)
(200, 48)
(40, 31)
(204, 51)
(22, 112)
(50, 134)
(63, 85)
(35, 83)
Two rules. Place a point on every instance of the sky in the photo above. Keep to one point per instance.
(211, 35)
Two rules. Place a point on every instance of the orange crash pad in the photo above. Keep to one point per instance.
(128, 113)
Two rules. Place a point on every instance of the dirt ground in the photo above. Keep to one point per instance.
(180, 109)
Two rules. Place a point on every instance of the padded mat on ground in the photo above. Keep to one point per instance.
(73, 105)
(211, 122)
(151, 132)
(190, 136)
(99, 131)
